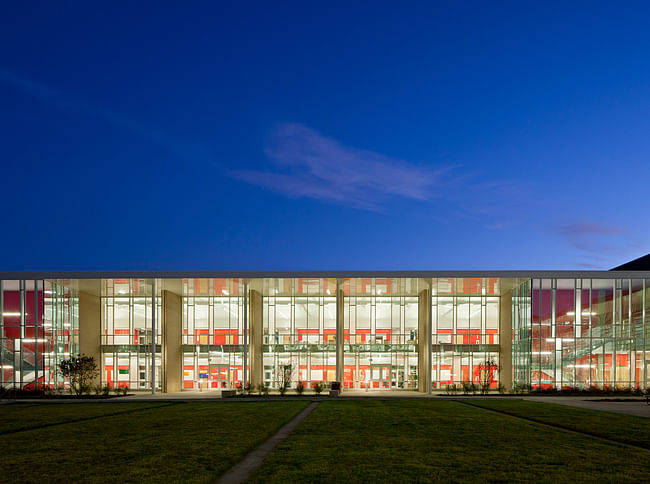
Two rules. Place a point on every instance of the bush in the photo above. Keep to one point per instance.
(318, 388)
(300, 387)
(265, 388)
(117, 390)
(80, 370)
(502, 388)
(125, 391)
(451, 388)
(467, 387)
(106, 390)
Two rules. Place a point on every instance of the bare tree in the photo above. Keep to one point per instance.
(487, 374)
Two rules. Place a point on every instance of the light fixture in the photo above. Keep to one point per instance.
(12, 314)
(224, 292)
(34, 340)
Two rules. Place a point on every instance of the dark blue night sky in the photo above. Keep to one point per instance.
(288, 136)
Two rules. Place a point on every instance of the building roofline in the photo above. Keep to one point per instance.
(522, 274)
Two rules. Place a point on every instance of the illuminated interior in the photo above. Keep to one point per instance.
(415, 332)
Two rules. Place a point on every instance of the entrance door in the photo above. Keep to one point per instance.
(219, 377)
(380, 377)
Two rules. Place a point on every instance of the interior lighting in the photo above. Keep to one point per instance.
(12, 314)
(34, 340)
(224, 292)
(7, 367)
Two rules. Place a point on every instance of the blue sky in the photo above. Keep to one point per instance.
(295, 136)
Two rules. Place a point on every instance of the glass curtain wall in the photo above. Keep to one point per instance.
(522, 334)
(589, 333)
(126, 333)
(380, 321)
(465, 331)
(213, 334)
(299, 331)
(60, 329)
(22, 339)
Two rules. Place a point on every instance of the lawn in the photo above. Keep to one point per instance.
(440, 441)
(615, 426)
(23, 416)
(188, 442)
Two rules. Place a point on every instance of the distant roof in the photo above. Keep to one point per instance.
(640, 264)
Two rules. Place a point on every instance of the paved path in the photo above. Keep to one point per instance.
(634, 406)
(243, 470)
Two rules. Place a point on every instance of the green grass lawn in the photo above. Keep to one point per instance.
(341, 441)
(23, 416)
(615, 426)
(184, 442)
(434, 441)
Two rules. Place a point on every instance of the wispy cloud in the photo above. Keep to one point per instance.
(69, 102)
(310, 165)
(587, 236)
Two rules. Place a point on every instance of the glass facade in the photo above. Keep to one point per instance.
(380, 332)
(39, 326)
(213, 334)
(127, 335)
(465, 327)
(386, 333)
(582, 333)
(299, 331)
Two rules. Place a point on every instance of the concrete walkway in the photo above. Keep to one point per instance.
(243, 470)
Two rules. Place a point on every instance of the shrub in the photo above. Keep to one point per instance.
(265, 388)
(300, 387)
(80, 370)
(318, 388)
(502, 388)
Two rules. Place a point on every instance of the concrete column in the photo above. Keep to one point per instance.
(172, 355)
(505, 337)
(90, 329)
(256, 308)
(340, 306)
(424, 338)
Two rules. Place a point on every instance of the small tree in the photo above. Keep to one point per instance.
(79, 371)
(285, 378)
(300, 387)
(487, 374)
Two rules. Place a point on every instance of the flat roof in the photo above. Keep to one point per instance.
(522, 274)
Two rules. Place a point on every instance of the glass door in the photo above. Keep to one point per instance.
(380, 377)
